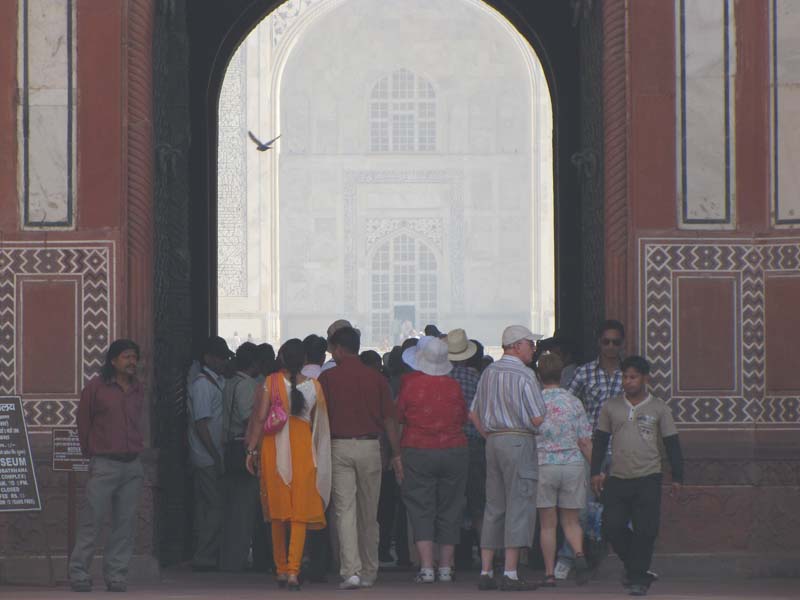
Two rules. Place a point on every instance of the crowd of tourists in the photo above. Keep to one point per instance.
(300, 463)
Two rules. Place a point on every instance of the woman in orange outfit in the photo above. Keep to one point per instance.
(295, 463)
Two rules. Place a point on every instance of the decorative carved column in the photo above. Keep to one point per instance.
(140, 162)
(615, 147)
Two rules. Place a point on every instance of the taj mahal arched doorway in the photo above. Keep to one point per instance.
(389, 132)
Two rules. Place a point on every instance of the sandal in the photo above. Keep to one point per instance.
(549, 581)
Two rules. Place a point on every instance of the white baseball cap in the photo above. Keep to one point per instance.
(515, 333)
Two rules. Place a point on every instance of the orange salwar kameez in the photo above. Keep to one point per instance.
(299, 503)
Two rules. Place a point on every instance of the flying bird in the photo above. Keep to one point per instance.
(262, 146)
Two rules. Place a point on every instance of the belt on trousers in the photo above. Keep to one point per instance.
(371, 436)
(511, 432)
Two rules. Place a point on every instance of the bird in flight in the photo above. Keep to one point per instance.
(262, 146)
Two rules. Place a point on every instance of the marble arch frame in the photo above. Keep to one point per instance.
(296, 17)
(557, 50)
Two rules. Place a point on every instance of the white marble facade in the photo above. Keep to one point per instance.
(412, 181)
(706, 69)
(785, 16)
(46, 123)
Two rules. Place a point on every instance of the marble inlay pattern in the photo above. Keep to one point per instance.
(380, 229)
(46, 131)
(660, 262)
(705, 64)
(455, 233)
(785, 24)
(92, 264)
(232, 182)
(284, 16)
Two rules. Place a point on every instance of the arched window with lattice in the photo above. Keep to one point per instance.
(402, 114)
(404, 288)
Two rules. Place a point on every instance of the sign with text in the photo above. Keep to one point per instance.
(18, 487)
(67, 451)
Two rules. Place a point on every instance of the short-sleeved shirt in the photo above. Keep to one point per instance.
(237, 402)
(205, 402)
(433, 411)
(468, 378)
(566, 422)
(637, 432)
(508, 396)
(592, 385)
(358, 397)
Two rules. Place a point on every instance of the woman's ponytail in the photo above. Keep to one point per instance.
(296, 396)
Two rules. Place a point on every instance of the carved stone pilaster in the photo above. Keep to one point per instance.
(615, 164)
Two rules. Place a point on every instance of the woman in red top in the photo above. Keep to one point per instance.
(435, 456)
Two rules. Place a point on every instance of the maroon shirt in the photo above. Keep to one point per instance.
(358, 398)
(109, 418)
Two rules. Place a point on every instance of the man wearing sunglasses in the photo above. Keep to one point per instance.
(594, 383)
(598, 380)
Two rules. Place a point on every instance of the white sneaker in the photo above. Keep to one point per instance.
(562, 569)
(351, 583)
(367, 583)
(445, 575)
(425, 576)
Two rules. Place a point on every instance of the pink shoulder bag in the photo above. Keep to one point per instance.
(276, 417)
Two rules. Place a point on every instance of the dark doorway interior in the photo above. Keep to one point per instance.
(194, 40)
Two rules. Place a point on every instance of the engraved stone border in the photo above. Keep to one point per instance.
(93, 264)
(751, 261)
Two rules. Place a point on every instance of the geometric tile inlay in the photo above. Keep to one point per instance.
(750, 261)
(92, 264)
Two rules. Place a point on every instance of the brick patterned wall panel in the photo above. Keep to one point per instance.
(661, 262)
(92, 265)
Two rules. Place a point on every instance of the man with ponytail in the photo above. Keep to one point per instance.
(361, 409)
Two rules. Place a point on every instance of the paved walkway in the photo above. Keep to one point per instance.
(179, 584)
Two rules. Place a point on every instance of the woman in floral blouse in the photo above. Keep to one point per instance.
(564, 441)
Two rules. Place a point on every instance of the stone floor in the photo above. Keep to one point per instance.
(180, 583)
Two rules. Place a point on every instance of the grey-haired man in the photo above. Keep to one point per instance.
(507, 410)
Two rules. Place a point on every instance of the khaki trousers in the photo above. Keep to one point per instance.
(356, 489)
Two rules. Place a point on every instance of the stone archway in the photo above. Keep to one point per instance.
(175, 190)
(490, 134)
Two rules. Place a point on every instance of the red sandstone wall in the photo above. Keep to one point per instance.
(69, 285)
(710, 308)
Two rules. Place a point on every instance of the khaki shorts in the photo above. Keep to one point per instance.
(563, 486)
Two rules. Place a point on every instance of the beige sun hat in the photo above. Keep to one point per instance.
(459, 346)
(432, 359)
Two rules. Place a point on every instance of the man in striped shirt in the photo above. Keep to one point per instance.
(508, 410)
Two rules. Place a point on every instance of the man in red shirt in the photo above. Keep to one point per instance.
(109, 417)
(360, 408)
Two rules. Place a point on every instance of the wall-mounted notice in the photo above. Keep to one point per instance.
(67, 451)
(18, 488)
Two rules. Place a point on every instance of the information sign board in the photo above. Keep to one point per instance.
(67, 451)
(18, 487)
